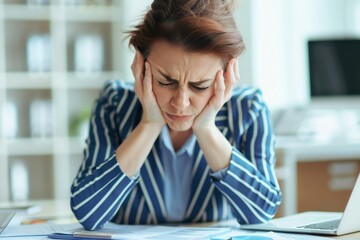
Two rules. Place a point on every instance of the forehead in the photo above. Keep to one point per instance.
(174, 60)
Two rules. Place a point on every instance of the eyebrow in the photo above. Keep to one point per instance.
(170, 79)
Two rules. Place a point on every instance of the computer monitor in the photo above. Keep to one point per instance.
(334, 66)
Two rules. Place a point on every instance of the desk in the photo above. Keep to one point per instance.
(57, 211)
(294, 150)
(60, 209)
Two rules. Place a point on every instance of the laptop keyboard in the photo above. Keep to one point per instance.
(330, 225)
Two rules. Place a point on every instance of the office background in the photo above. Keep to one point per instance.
(55, 56)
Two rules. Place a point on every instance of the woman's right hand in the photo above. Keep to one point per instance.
(143, 89)
(135, 148)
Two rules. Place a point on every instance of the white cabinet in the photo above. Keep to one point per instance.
(47, 90)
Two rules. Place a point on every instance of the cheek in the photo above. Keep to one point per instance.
(162, 97)
(200, 102)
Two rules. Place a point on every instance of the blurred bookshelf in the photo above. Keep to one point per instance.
(54, 58)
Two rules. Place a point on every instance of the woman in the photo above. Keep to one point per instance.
(182, 144)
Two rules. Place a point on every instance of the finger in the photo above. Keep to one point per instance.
(134, 62)
(237, 72)
(218, 99)
(138, 68)
(220, 82)
(229, 73)
(230, 78)
(147, 80)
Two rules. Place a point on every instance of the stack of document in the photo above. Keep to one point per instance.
(112, 231)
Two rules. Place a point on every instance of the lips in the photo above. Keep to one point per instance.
(176, 117)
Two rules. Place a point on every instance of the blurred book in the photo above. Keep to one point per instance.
(9, 120)
(38, 53)
(41, 118)
(19, 179)
(89, 54)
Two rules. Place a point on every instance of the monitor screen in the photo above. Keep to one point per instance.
(334, 67)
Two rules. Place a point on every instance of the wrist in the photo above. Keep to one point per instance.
(216, 148)
(154, 127)
(203, 129)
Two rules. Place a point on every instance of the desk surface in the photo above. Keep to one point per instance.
(58, 211)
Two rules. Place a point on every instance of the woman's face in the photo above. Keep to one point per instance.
(182, 82)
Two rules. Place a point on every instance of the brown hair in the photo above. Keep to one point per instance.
(206, 26)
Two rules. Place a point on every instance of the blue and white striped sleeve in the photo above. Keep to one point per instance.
(100, 186)
(250, 184)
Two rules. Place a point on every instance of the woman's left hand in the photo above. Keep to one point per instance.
(224, 84)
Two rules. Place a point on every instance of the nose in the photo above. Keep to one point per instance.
(181, 99)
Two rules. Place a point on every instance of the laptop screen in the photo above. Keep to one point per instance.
(334, 67)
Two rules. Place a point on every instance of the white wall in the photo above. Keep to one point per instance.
(279, 30)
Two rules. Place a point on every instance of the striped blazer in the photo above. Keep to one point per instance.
(249, 190)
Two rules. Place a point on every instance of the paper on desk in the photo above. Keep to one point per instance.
(297, 236)
(235, 231)
(161, 232)
(38, 229)
(239, 234)
(150, 232)
(122, 231)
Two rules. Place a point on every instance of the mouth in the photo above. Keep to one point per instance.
(175, 117)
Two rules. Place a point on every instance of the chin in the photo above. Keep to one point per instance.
(179, 127)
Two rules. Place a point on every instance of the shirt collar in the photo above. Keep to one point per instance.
(188, 147)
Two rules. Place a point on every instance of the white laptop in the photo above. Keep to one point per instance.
(5, 218)
(327, 223)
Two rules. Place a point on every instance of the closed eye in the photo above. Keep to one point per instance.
(201, 85)
(198, 88)
(166, 82)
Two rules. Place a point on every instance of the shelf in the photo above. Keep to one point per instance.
(25, 12)
(91, 13)
(26, 80)
(82, 13)
(89, 81)
(30, 146)
(54, 61)
(31, 177)
(84, 37)
(42, 146)
(21, 80)
(16, 44)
